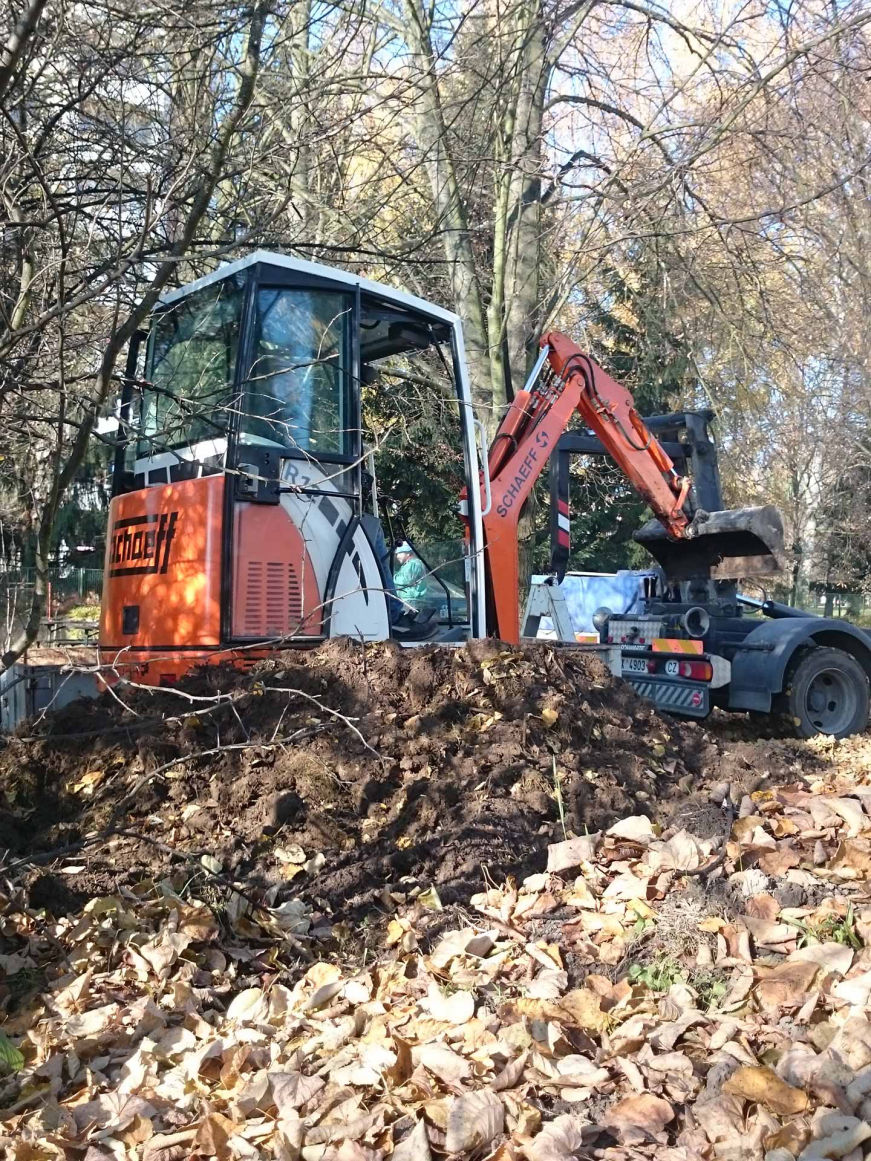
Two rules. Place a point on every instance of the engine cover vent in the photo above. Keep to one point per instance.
(272, 600)
(275, 591)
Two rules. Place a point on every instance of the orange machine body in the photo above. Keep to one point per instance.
(274, 590)
(163, 568)
(164, 579)
(518, 454)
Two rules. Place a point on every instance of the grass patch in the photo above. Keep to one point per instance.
(658, 975)
(832, 929)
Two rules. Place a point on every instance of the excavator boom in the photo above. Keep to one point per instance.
(608, 409)
(686, 541)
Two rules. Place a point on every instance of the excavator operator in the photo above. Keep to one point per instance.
(410, 578)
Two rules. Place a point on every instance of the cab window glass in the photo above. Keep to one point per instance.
(297, 391)
(191, 366)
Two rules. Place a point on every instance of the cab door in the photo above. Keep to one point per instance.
(300, 564)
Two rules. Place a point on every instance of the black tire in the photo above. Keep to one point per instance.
(826, 693)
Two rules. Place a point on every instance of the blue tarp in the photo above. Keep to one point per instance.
(587, 591)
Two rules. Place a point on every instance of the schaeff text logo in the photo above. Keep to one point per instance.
(142, 544)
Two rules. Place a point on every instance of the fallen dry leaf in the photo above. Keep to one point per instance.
(682, 852)
(571, 853)
(415, 1146)
(763, 1086)
(854, 990)
(213, 1136)
(779, 861)
(851, 812)
(786, 985)
(292, 1090)
(583, 1008)
(455, 1008)
(249, 1006)
(442, 1062)
(88, 783)
(792, 1137)
(852, 858)
(638, 827)
(640, 1119)
(834, 1135)
(832, 957)
(558, 1140)
(475, 1120)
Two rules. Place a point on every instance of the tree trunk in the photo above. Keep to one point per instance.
(64, 470)
(30, 629)
(450, 209)
(523, 319)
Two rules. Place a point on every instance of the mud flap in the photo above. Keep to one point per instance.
(725, 545)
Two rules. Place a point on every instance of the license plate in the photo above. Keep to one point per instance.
(634, 665)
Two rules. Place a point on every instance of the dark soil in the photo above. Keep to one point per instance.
(402, 768)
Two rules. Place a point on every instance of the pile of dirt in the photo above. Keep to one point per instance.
(338, 774)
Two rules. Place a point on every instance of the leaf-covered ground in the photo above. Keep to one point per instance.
(690, 980)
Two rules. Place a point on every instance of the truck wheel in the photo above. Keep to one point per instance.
(827, 693)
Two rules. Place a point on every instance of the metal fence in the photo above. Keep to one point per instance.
(64, 583)
(68, 587)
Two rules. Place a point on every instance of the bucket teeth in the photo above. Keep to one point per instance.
(727, 545)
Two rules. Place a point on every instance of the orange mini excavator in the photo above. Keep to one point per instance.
(246, 509)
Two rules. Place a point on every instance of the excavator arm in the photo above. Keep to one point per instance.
(608, 409)
(572, 382)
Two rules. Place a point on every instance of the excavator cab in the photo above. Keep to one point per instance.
(244, 508)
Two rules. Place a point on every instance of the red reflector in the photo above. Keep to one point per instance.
(651, 667)
(697, 670)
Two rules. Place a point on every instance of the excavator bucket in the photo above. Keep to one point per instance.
(727, 545)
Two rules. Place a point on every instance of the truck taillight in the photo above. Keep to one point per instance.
(697, 670)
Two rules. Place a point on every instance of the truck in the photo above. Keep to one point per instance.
(692, 641)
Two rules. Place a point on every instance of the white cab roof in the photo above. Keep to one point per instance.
(314, 269)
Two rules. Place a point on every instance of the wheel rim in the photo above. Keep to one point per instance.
(831, 701)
